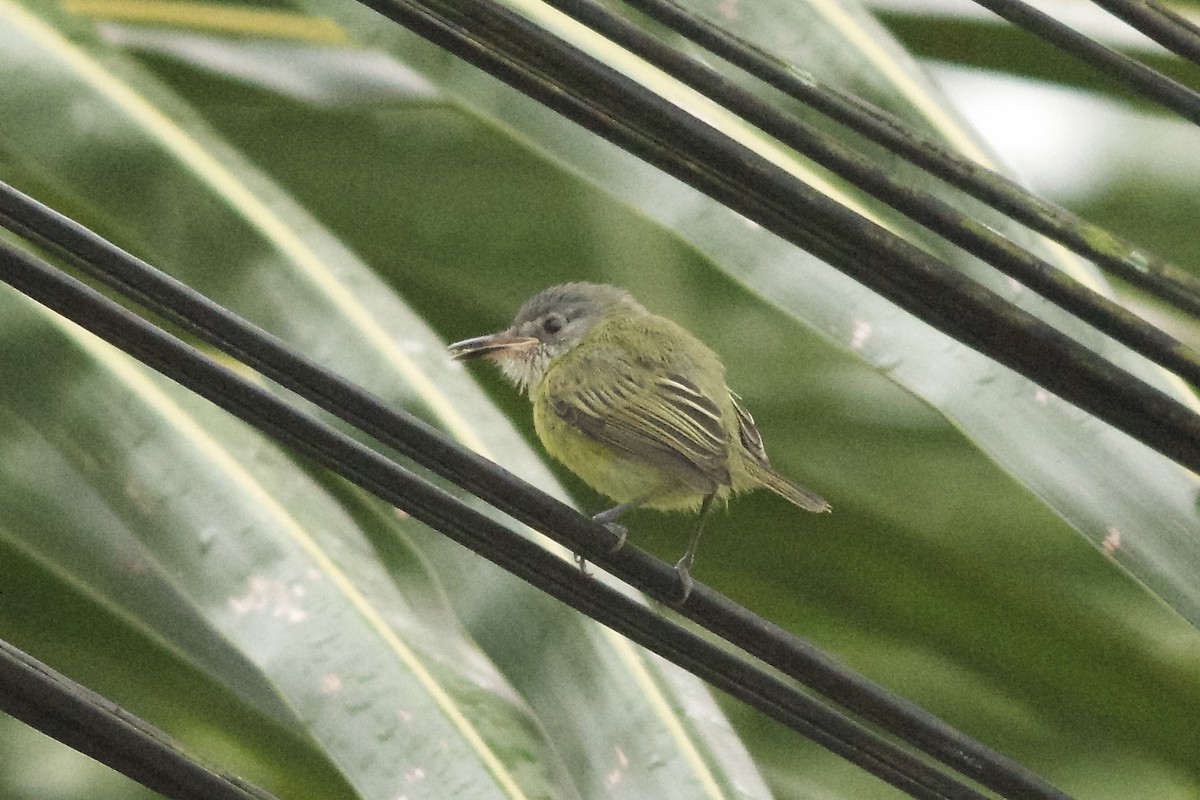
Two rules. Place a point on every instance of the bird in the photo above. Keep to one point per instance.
(633, 404)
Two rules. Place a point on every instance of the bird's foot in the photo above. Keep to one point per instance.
(682, 568)
(620, 532)
(617, 530)
(605, 518)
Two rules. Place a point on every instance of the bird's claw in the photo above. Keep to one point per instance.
(617, 530)
(685, 579)
(620, 531)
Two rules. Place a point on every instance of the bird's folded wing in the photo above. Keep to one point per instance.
(653, 416)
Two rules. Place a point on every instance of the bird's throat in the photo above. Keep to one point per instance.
(526, 370)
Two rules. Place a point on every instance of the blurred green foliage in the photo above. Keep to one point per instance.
(938, 575)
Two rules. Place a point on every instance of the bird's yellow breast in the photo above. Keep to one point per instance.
(622, 479)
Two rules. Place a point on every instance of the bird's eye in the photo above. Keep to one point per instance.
(552, 324)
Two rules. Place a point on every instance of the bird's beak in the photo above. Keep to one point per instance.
(496, 346)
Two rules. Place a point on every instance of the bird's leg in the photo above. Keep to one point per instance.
(684, 565)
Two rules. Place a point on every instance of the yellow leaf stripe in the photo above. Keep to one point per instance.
(213, 17)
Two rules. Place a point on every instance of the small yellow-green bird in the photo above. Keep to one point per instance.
(633, 404)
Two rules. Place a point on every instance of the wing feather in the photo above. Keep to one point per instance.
(748, 432)
(655, 416)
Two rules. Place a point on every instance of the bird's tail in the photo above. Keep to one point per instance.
(793, 492)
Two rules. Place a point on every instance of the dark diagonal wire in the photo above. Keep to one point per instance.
(954, 225)
(1127, 261)
(81, 719)
(1143, 80)
(427, 503)
(1158, 23)
(425, 445)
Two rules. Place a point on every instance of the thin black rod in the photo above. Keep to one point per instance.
(427, 503)
(430, 448)
(1130, 263)
(64, 710)
(1143, 80)
(955, 226)
(1160, 24)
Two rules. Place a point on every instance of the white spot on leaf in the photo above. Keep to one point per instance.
(614, 776)
(862, 330)
(269, 596)
(1111, 542)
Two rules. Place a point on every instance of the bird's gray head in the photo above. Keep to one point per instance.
(558, 318)
(548, 324)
